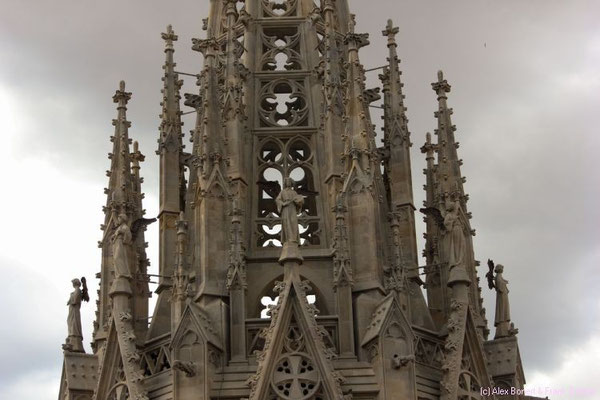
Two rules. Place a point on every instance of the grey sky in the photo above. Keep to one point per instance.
(525, 94)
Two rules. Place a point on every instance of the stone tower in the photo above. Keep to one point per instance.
(288, 264)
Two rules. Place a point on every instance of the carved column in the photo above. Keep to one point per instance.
(236, 283)
(459, 307)
(343, 282)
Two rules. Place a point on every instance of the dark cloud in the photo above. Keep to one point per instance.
(525, 89)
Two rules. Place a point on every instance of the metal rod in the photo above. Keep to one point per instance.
(187, 74)
(375, 69)
(155, 275)
(378, 107)
(188, 112)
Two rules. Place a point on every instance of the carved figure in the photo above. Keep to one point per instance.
(140, 224)
(121, 238)
(289, 204)
(457, 245)
(74, 341)
(188, 367)
(502, 321)
(401, 361)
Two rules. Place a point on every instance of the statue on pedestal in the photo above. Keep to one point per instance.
(121, 238)
(457, 245)
(502, 322)
(74, 341)
(289, 204)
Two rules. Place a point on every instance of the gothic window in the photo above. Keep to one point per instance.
(283, 103)
(295, 375)
(279, 8)
(281, 49)
(279, 159)
(119, 390)
(468, 387)
(269, 302)
(155, 360)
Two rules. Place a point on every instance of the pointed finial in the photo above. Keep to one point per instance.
(357, 40)
(136, 157)
(428, 148)
(441, 86)
(391, 31)
(231, 8)
(352, 23)
(169, 37)
(121, 96)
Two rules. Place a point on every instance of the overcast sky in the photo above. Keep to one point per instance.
(525, 91)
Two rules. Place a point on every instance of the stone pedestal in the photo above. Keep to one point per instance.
(290, 252)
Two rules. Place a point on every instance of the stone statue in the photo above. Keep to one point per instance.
(502, 320)
(121, 238)
(457, 245)
(289, 204)
(74, 341)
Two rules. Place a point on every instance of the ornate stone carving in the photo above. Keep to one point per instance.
(295, 109)
(74, 341)
(502, 322)
(188, 367)
(284, 131)
(289, 204)
(457, 246)
(121, 240)
(279, 8)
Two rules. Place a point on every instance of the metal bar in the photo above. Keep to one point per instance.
(159, 276)
(185, 73)
(375, 69)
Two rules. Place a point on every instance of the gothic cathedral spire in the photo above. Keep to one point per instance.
(172, 183)
(288, 265)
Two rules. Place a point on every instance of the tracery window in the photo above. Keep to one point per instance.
(279, 8)
(269, 302)
(296, 376)
(279, 159)
(468, 387)
(281, 49)
(119, 390)
(283, 103)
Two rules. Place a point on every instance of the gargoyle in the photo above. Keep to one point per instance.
(188, 367)
(436, 214)
(140, 223)
(401, 361)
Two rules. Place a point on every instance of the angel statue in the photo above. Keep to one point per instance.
(289, 204)
(454, 229)
(502, 321)
(74, 341)
(450, 222)
(121, 238)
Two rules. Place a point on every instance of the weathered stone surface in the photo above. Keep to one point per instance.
(288, 265)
